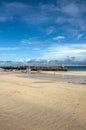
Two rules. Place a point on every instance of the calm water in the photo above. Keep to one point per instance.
(76, 68)
(59, 77)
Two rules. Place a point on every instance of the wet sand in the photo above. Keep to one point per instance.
(60, 77)
(37, 104)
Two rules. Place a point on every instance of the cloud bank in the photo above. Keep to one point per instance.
(62, 51)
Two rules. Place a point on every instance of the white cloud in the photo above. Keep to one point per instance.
(28, 13)
(25, 12)
(65, 15)
(7, 57)
(73, 13)
(26, 41)
(36, 49)
(50, 30)
(7, 54)
(79, 36)
(59, 38)
(64, 50)
(9, 48)
(76, 33)
(30, 41)
(60, 20)
(71, 9)
(61, 13)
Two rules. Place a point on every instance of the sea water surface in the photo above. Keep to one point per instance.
(76, 68)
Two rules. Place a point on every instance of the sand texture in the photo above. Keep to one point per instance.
(33, 104)
(75, 73)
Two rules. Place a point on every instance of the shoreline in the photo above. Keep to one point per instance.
(73, 77)
(70, 77)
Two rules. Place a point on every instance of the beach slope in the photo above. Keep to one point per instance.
(33, 104)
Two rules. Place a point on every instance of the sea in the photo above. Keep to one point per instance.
(76, 68)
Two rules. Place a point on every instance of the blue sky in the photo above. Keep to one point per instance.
(41, 29)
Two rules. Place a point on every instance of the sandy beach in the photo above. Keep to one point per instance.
(75, 73)
(37, 104)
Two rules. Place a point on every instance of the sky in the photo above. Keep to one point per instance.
(42, 29)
